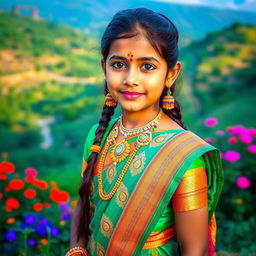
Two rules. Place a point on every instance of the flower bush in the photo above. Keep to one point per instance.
(35, 214)
(236, 210)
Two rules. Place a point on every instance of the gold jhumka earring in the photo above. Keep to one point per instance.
(168, 100)
(109, 101)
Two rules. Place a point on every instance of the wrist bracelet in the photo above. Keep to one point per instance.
(77, 250)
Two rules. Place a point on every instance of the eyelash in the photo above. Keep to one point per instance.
(119, 62)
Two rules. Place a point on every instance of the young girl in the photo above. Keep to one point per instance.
(149, 186)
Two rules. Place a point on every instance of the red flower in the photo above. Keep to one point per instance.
(38, 207)
(30, 179)
(12, 203)
(3, 176)
(16, 184)
(29, 193)
(58, 196)
(4, 154)
(1, 196)
(7, 167)
(40, 184)
(232, 140)
(47, 205)
(7, 189)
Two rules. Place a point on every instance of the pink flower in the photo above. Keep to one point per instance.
(237, 130)
(246, 138)
(31, 172)
(219, 133)
(231, 156)
(211, 121)
(252, 149)
(252, 132)
(243, 182)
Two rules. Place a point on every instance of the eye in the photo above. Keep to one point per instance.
(148, 67)
(118, 65)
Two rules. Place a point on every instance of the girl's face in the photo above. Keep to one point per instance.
(136, 74)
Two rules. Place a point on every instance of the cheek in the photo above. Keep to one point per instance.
(114, 79)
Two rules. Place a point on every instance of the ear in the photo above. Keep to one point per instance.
(103, 66)
(173, 74)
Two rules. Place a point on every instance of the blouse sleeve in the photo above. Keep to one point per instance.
(88, 142)
(191, 192)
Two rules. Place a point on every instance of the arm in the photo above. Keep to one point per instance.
(73, 231)
(190, 205)
(192, 232)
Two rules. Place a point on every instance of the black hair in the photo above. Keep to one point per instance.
(163, 36)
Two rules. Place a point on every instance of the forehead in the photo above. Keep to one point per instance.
(138, 45)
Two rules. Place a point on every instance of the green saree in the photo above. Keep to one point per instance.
(141, 205)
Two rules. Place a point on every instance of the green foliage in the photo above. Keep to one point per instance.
(225, 63)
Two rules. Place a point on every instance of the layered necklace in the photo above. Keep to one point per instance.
(122, 149)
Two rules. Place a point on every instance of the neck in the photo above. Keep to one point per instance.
(132, 120)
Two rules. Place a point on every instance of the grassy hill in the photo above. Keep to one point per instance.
(43, 64)
(221, 71)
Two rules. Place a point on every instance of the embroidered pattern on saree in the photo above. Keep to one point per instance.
(122, 195)
(138, 164)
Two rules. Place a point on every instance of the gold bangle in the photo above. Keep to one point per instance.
(77, 250)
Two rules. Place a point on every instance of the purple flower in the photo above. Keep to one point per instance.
(31, 242)
(8, 247)
(23, 226)
(54, 232)
(231, 156)
(44, 222)
(65, 216)
(208, 139)
(64, 207)
(29, 220)
(219, 133)
(41, 230)
(211, 121)
(10, 236)
(243, 182)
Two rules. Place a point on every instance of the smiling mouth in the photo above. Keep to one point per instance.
(131, 95)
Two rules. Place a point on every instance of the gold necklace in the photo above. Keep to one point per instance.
(142, 140)
(151, 125)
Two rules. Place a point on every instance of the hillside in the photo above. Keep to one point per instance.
(193, 22)
(221, 68)
(49, 111)
(41, 65)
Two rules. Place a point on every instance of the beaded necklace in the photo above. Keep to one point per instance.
(143, 139)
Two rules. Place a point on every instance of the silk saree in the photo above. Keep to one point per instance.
(141, 206)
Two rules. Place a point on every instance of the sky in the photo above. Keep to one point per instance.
(249, 5)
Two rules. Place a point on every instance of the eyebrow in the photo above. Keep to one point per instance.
(140, 59)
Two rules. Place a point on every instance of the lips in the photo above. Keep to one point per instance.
(131, 95)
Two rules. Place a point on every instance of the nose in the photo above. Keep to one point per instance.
(131, 78)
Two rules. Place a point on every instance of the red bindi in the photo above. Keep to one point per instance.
(130, 56)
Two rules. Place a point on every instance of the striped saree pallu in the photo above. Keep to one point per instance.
(122, 225)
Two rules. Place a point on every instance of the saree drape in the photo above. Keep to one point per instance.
(122, 225)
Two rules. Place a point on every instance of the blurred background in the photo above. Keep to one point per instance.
(51, 92)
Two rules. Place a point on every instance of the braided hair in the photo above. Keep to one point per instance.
(163, 36)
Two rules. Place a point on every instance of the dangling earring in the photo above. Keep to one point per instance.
(168, 100)
(109, 101)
